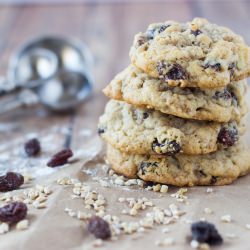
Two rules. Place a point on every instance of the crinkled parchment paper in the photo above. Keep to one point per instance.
(51, 228)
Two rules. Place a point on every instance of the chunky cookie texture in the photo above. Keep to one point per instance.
(142, 131)
(218, 168)
(136, 87)
(193, 54)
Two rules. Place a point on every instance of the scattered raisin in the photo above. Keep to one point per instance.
(196, 32)
(145, 115)
(10, 181)
(100, 131)
(32, 147)
(166, 147)
(60, 158)
(205, 232)
(216, 66)
(228, 136)
(13, 212)
(99, 227)
(171, 72)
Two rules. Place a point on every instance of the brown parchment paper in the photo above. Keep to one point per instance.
(53, 229)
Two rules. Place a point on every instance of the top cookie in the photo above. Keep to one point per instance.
(193, 54)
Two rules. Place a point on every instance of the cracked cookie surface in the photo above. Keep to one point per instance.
(143, 131)
(194, 54)
(136, 87)
(219, 168)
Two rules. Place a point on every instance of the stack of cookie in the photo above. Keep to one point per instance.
(176, 114)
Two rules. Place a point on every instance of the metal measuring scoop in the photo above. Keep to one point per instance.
(51, 70)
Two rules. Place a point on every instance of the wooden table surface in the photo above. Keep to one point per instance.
(108, 30)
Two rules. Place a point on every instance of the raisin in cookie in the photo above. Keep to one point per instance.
(142, 131)
(193, 54)
(136, 87)
(219, 168)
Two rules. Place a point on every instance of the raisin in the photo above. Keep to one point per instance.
(141, 40)
(13, 212)
(171, 72)
(10, 181)
(235, 99)
(232, 67)
(165, 147)
(100, 131)
(205, 232)
(228, 136)
(151, 33)
(213, 180)
(99, 227)
(162, 28)
(60, 158)
(32, 147)
(139, 116)
(216, 66)
(145, 165)
(196, 32)
(226, 94)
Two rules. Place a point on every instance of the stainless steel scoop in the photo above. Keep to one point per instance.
(52, 70)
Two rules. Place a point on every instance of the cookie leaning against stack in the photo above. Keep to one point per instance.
(176, 117)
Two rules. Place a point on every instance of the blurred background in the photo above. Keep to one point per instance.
(107, 28)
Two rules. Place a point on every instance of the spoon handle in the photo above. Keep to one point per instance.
(6, 86)
(19, 99)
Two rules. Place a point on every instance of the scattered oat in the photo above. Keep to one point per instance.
(200, 246)
(165, 242)
(226, 218)
(104, 183)
(164, 189)
(22, 225)
(208, 210)
(175, 210)
(248, 226)
(119, 181)
(165, 230)
(210, 190)
(98, 243)
(180, 195)
(121, 199)
(39, 205)
(4, 228)
(231, 235)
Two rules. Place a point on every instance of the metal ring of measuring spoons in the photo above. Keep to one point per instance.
(60, 89)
